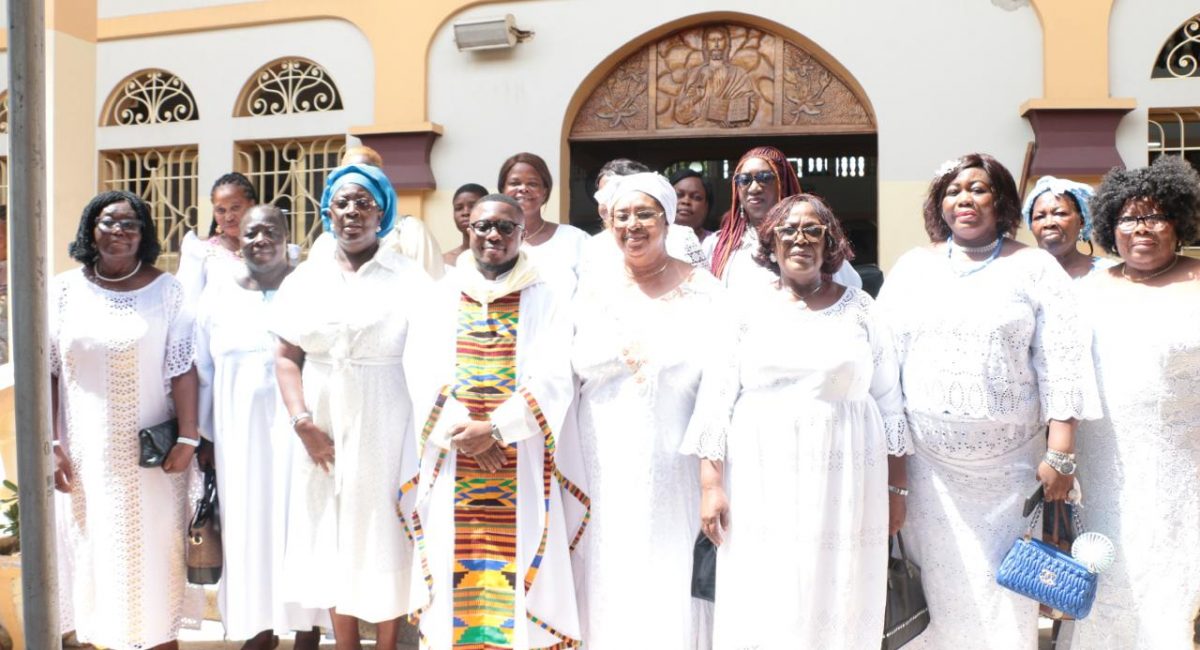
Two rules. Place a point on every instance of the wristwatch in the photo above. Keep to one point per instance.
(1060, 461)
(496, 434)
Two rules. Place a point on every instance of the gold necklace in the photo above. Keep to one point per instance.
(637, 278)
(538, 231)
(1125, 273)
(804, 298)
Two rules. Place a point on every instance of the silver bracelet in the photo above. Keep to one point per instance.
(496, 434)
(898, 490)
(191, 442)
(303, 415)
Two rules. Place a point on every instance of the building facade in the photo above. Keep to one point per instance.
(868, 97)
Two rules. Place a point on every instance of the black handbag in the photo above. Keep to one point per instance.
(907, 614)
(704, 569)
(204, 554)
(156, 442)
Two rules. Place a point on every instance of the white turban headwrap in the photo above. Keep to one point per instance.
(654, 185)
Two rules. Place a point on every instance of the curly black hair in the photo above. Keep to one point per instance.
(1004, 190)
(836, 249)
(83, 249)
(1170, 182)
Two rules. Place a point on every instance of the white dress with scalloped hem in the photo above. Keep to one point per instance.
(1138, 465)
(987, 358)
(816, 410)
(115, 353)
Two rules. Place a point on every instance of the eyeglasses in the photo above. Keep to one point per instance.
(126, 225)
(1153, 222)
(485, 226)
(643, 216)
(812, 233)
(745, 178)
(361, 204)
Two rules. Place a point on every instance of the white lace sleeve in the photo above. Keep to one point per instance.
(1061, 352)
(885, 385)
(708, 428)
(180, 352)
(57, 304)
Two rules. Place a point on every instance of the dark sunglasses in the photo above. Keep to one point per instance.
(505, 228)
(744, 179)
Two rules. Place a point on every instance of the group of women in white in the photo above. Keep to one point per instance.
(737, 384)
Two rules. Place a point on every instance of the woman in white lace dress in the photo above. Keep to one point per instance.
(220, 253)
(121, 349)
(987, 337)
(342, 319)
(639, 376)
(1138, 465)
(556, 248)
(807, 452)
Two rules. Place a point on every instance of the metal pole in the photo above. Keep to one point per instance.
(27, 223)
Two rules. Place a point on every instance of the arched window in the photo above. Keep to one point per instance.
(149, 96)
(4, 112)
(1180, 55)
(288, 85)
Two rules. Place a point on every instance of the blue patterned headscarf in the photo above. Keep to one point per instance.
(1059, 186)
(371, 179)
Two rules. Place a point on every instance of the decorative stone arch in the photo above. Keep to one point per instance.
(150, 96)
(783, 83)
(662, 84)
(1179, 56)
(288, 85)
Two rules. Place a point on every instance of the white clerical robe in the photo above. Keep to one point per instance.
(551, 506)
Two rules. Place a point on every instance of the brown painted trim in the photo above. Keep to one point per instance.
(1075, 142)
(405, 157)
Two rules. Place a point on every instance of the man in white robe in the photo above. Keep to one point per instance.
(494, 511)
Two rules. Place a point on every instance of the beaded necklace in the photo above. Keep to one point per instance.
(991, 258)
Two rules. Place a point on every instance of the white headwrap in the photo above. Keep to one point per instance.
(656, 186)
(1058, 186)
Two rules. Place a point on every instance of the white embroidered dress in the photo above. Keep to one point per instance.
(818, 410)
(558, 258)
(1138, 465)
(986, 360)
(640, 363)
(114, 353)
(239, 412)
(345, 546)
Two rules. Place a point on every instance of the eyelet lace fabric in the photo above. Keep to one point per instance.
(799, 419)
(114, 353)
(640, 362)
(1138, 464)
(985, 361)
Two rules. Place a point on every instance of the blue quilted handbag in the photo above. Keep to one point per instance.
(1046, 574)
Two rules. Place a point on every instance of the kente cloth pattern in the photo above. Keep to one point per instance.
(485, 503)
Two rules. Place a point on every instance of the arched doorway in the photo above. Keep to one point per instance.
(703, 90)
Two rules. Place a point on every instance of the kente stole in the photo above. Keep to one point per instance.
(485, 503)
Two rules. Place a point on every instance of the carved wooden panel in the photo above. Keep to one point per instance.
(620, 103)
(720, 79)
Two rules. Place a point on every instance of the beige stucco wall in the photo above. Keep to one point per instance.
(931, 101)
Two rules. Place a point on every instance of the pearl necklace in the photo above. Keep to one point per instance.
(1125, 271)
(974, 250)
(96, 272)
(982, 265)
